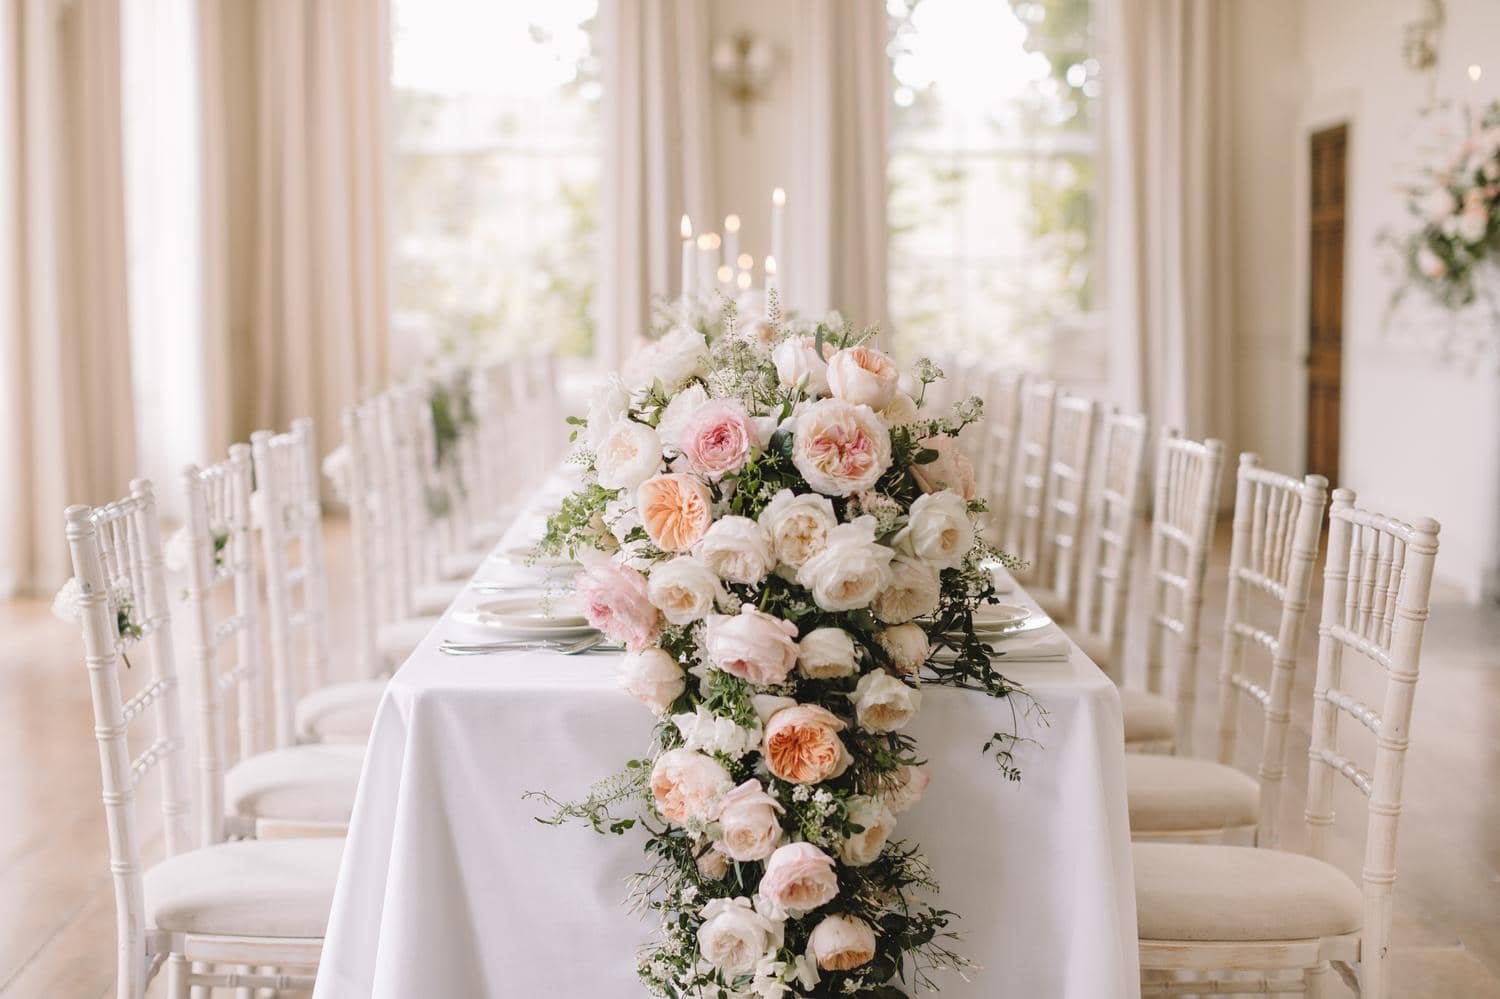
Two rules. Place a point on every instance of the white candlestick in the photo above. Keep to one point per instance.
(778, 211)
(731, 239)
(772, 284)
(706, 261)
(687, 259)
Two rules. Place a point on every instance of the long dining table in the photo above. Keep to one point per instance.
(449, 886)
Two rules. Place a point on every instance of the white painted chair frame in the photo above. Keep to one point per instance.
(1109, 537)
(995, 453)
(1278, 523)
(1065, 497)
(1028, 483)
(1182, 528)
(290, 513)
(1376, 592)
(116, 550)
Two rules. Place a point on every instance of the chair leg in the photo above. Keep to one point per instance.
(1316, 980)
(177, 977)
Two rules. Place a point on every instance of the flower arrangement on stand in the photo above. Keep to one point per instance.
(782, 536)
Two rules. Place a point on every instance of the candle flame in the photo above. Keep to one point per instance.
(704, 243)
(745, 261)
(1475, 72)
(778, 197)
(770, 265)
(731, 223)
(725, 273)
(743, 280)
(687, 227)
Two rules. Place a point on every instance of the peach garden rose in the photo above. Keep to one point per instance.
(675, 510)
(802, 744)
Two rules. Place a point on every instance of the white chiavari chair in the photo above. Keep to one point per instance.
(1182, 528)
(1202, 908)
(501, 432)
(294, 790)
(1106, 559)
(995, 449)
(1277, 523)
(1028, 481)
(1063, 511)
(246, 904)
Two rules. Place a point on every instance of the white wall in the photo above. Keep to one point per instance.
(1421, 434)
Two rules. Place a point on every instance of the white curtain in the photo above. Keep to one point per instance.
(295, 151)
(1166, 217)
(658, 148)
(65, 388)
(839, 227)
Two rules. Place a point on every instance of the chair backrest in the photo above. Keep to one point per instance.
(1278, 521)
(500, 435)
(290, 519)
(117, 565)
(1377, 586)
(222, 555)
(1065, 492)
(995, 447)
(1182, 527)
(1109, 536)
(1028, 482)
(539, 394)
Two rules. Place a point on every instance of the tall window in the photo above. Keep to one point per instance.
(992, 172)
(496, 183)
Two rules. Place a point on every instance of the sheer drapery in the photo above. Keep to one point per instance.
(659, 149)
(839, 229)
(65, 389)
(295, 152)
(1167, 227)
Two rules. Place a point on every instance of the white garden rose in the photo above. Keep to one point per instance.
(840, 448)
(877, 822)
(675, 417)
(737, 549)
(687, 785)
(1472, 225)
(850, 570)
(767, 705)
(749, 827)
(914, 591)
(1429, 263)
(939, 531)
(798, 363)
(901, 410)
(906, 788)
(608, 403)
(798, 526)
(685, 589)
(841, 943)
(734, 937)
(864, 376)
(710, 733)
(1439, 204)
(629, 454)
(652, 677)
(883, 703)
(621, 518)
(826, 654)
(678, 356)
(907, 646)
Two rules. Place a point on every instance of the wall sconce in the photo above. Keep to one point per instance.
(1419, 47)
(743, 65)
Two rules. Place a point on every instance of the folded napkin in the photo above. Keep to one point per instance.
(1042, 646)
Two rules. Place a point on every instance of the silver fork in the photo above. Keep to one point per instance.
(572, 648)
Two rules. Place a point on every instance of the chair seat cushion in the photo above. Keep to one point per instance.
(1239, 893)
(342, 712)
(258, 888)
(1098, 649)
(1180, 794)
(434, 598)
(1148, 717)
(398, 640)
(314, 783)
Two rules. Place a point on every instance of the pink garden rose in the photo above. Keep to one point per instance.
(752, 645)
(717, 438)
(749, 828)
(840, 448)
(799, 877)
(675, 510)
(802, 744)
(687, 785)
(615, 600)
(907, 785)
(951, 469)
(864, 376)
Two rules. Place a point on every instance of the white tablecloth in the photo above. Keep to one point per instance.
(450, 888)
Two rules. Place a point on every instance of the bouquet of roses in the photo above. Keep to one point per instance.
(783, 540)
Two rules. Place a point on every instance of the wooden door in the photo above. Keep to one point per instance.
(1325, 354)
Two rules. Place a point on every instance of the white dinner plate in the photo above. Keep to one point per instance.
(988, 617)
(530, 617)
(529, 557)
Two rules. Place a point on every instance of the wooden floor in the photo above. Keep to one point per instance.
(57, 911)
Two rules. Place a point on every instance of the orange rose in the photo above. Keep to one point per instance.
(675, 511)
(802, 744)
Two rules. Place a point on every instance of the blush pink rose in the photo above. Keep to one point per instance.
(675, 510)
(688, 785)
(615, 600)
(799, 877)
(752, 645)
(950, 470)
(802, 744)
(840, 448)
(842, 943)
(749, 828)
(717, 438)
(863, 376)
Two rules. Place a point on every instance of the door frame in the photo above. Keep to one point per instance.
(1317, 113)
